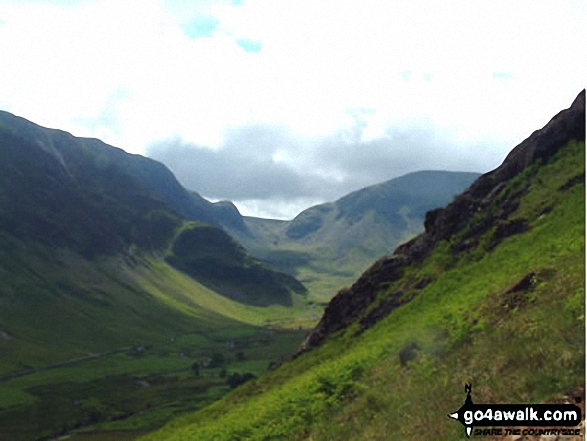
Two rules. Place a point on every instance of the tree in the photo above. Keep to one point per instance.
(237, 379)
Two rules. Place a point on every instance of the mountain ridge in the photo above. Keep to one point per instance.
(81, 192)
(151, 174)
(443, 223)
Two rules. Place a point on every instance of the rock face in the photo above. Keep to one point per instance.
(348, 304)
(542, 144)
(444, 223)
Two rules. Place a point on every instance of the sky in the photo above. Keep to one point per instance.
(280, 105)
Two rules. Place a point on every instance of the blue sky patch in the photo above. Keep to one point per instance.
(201, 27)
(249, 45)
(406, 74)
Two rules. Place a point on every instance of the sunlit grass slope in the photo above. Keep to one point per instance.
(60, 306)
(109, 344)
(211, 256)
(469, 326)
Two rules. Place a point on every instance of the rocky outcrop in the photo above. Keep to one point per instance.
(444, 223)
(350, 303)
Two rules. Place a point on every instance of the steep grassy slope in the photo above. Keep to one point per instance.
(59, 307)
(328, 246)
(492, 294)
(79, 204)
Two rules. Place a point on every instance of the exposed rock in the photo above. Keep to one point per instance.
(350, 303)
(514, 296)
(423, 282)
(524, 284)
(545, 211)
(506, 229)
(384, 308)
(572, 182)
(470, 239)
(444, 223)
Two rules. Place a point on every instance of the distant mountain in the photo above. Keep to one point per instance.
(399, 203)
(329, 245)
(478, 220)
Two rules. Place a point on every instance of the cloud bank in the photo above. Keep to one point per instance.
(309, 97)
(269, 171)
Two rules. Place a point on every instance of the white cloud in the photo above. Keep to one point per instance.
(485, 73)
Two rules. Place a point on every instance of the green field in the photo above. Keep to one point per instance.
(116, 352)
(139, 388)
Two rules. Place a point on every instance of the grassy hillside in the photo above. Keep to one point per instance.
(501, 308)
(94, 199)
(91, 313)
(120, 337)
(328, 246)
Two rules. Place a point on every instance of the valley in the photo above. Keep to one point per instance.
(328, 246)
(492, 293)
(132, 308)
(251, 220)
(104, 306)
(119, 353)
(117, 281)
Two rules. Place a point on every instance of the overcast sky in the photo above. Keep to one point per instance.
(278, 105)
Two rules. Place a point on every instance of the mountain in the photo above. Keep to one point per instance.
(95, 199)
(398, 202)
(75, 154)
(82, 223)
(325, 247)
(105, 260)
(492, 294)
(329, 245)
